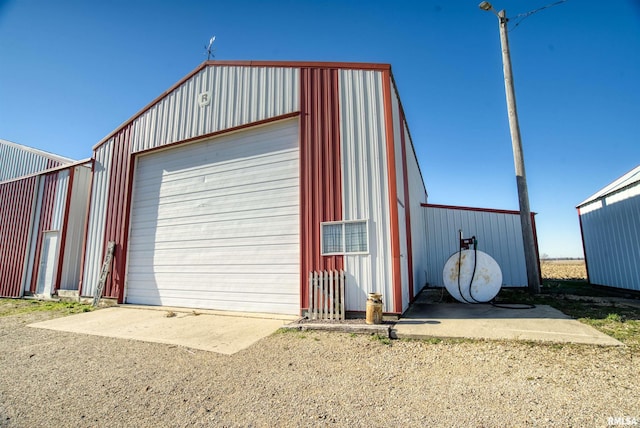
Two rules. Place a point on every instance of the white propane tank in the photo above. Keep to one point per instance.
(487, 279)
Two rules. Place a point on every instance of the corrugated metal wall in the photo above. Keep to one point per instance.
(61, 186)
(365, 184)
(418, 218)
(239, 95)
(118, 199)
(320, 169)
(610, 234)
(34, 235)
(16, 212)
(44, 223)
(403, 219)
(17, 161)
(498, 233)
(76, 223)
(97, 214)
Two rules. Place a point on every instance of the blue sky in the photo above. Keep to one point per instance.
(72, 71)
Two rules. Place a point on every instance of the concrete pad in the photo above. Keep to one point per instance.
(223, 333)
(482, 321)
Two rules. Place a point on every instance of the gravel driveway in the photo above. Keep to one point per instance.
(57, 379)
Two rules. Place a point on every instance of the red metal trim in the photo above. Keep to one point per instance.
(221, 132)
(63, 231)
(86, 228)
(303, 64)
(114, 217)
(407, 204)
(283, 64)
(584, 248)
(486, 210)
(16, 211)
(127, 220)
(320, 170)
(393, 194)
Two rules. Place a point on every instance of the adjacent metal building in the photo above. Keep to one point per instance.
(231, 187)
(498, 232)
(610, 227)
(43, 205)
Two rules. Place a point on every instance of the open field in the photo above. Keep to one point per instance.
(563, 269)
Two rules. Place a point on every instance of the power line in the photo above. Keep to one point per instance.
(524, 16)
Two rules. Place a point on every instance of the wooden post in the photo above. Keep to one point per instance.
(533, 277)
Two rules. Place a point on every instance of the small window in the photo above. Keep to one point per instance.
(344, 237)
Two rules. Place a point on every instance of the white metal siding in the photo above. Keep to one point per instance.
(418, 196)
(240, 95)
(17, 160)
(75, 228)
(611, 233)
(97, 212)
(397, 146)
(33, 234)
(498, 234)
(398, 129)
(62, 185)
(215, 224)
(365, 184)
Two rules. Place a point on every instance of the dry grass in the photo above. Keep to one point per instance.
(563, 269)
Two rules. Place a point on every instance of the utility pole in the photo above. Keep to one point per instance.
(531, 258)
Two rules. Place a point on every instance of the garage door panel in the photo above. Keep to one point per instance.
(226, 218)
(247, 201)
(176, 173)
(224, 183)
(199, 191)
(245, 195)
(265, 240)
(225, 187)
(184, 167)
(196, 192)
(275, 307)
(231, 156)
(238, 170)
(228, 215)
(213, 282)
(229, 244)
(230, 296)
(206, 257)
(221, 230)
(203, 207)
(216, 224)
(204, 284)
(249, 271)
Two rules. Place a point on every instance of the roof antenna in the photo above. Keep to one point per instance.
(209, 49)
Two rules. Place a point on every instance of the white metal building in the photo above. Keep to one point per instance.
(610, 226)
(498, 232)
(231, 187)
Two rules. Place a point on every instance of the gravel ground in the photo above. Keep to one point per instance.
(57, 379)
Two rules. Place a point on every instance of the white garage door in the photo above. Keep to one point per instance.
(215, 224)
